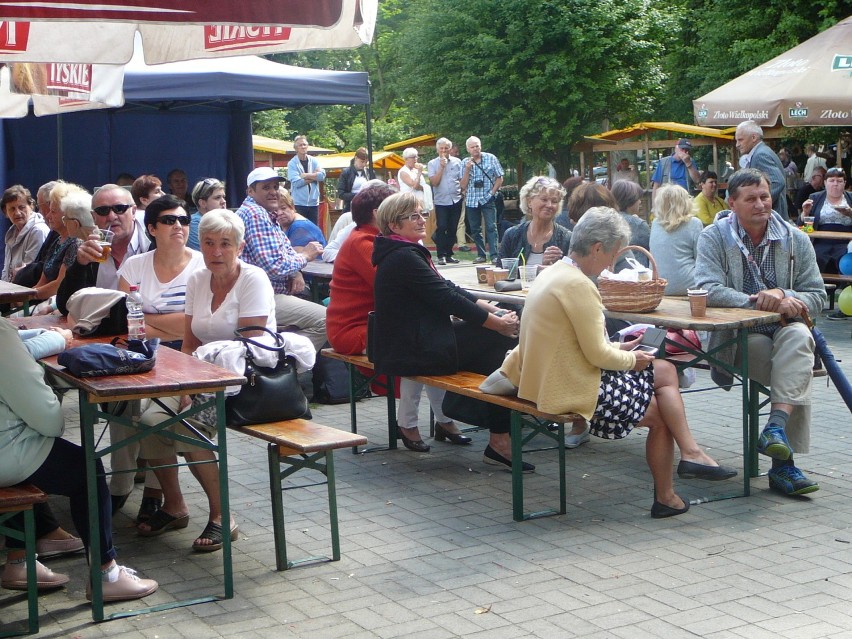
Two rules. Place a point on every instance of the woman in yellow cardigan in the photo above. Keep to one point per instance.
(565, 364)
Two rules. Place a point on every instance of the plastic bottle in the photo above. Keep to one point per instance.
(135, 317)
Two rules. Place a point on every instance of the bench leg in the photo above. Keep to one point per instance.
(516, 435)
(277, 508)
(29, 539)
(332, 505)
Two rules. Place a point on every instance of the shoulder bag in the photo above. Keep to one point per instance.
(271, 394)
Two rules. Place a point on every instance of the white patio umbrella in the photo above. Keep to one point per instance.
(809, 85)
(102, 31)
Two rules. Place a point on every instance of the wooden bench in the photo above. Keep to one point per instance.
(15, 500)
(523, 414)
(298, 444)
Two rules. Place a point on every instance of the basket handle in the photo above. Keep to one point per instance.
(635, 247)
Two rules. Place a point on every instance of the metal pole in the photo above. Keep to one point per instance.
(369, 116)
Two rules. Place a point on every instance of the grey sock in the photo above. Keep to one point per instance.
(778, 417)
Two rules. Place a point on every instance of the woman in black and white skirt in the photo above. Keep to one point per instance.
(565, 364)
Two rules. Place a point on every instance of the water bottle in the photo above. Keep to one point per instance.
(135, 317)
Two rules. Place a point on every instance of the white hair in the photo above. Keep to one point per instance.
(410, 152)
(750, 127)
(442, 141)
(472, 140)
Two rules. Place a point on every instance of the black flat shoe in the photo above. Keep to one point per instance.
(442, 434)
(452, 260)
(493, 458)
(418, 446)
(661, 511)
(118, 502)
(691, 470)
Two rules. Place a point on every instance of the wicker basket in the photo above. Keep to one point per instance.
(632, 297)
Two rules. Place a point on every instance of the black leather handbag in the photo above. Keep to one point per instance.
(271, 394)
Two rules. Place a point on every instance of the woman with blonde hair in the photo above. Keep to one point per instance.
(674, 238)
(538, 238)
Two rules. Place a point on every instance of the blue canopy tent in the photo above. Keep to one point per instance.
(195, 115)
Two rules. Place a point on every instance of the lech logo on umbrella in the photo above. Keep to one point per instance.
(841, 62)
(798, 111)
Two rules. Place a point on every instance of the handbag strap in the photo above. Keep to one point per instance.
(279, 347)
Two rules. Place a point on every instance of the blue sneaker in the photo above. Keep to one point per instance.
(791, 481)
(773, 443)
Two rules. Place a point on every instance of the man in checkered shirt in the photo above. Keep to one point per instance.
(267, 247)
(749, 257)
(481, 178)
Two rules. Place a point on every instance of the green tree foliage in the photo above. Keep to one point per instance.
(531, 77)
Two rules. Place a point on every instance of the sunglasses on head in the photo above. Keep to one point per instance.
(103, 211)
(169, 220)
(835, 172)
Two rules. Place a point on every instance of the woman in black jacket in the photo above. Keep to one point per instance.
(352, 179)
(414, 333)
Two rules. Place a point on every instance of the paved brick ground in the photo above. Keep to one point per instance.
(430, 548)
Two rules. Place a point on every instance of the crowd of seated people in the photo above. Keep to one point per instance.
(246, 272)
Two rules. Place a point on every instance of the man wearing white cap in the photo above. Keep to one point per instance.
(267, 247)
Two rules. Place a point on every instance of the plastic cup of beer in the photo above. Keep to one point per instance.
(105, 237)
(528, 275)
(697, 302)
(808, 221)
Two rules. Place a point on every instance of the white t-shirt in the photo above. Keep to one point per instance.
(157, 296)
(251, 296)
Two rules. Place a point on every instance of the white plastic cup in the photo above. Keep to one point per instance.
(528, 275)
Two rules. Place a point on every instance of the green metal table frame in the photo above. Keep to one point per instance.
(90, 413)
(357, 383)
(519, 439)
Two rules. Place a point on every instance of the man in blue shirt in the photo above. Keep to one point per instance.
(305, 175)
(481, 178)
(445, 178)
(678, 168)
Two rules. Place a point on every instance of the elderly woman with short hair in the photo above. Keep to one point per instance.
(27, 233)
(412, 179)
(538, 239)
(415, 333)
(674, 238)
(565, 364)
(208, 194)
(226, 295)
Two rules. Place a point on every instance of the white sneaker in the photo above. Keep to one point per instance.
(15, 577)
(573, 441)
(127, 586)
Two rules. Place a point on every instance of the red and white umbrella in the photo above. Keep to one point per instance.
(102, 31)
(55, 88)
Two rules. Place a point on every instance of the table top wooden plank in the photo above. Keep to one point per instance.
(830, 235)
(11, 293)
(175, 373)
(673, 312)
(318, 268)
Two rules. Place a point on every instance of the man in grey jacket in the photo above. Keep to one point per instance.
(751, 258)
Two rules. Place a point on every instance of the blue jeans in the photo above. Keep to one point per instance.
(475, 214)
(310, 212)
(447, 221)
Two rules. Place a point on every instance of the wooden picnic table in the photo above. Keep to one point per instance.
(11, 293)
(175, 373)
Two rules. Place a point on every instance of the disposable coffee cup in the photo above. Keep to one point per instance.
(500, 274)
(528, 275)
(511, 264)
(697, 302)
(489, 276)
(104, 240)
(481, 274)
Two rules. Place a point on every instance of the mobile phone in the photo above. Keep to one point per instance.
(652, 340)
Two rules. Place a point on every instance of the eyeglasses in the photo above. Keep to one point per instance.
(103, 211)
(169, 220)
(422, 215)
(835, 172)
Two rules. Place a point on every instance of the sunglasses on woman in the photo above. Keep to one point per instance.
(169, 220)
